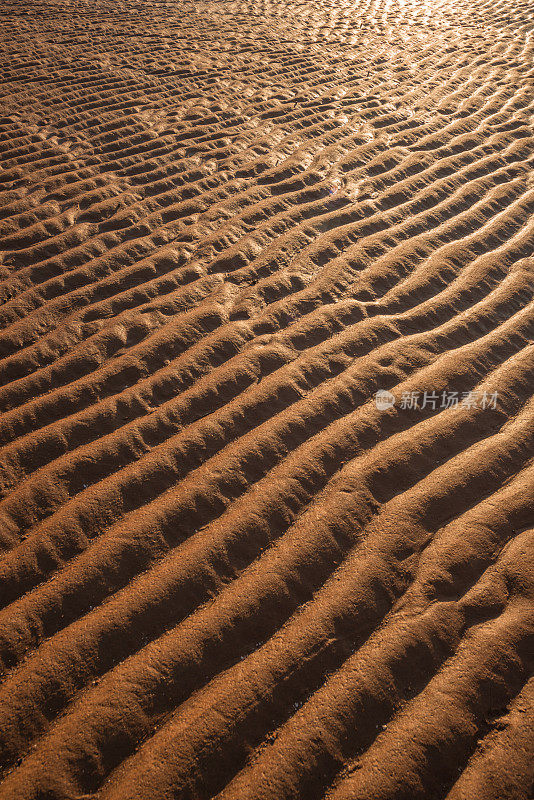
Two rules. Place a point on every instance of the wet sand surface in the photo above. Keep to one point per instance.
(226, 571)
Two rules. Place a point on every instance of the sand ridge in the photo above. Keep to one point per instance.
(224, 571)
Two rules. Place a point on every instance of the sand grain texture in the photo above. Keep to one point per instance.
(224, 572)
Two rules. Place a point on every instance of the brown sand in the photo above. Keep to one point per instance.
(224, 572)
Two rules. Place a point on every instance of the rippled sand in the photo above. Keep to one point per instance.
(226, 571)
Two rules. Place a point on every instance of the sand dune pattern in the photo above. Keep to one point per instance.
(225, 572)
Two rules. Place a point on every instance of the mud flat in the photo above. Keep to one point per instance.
(226, 571)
